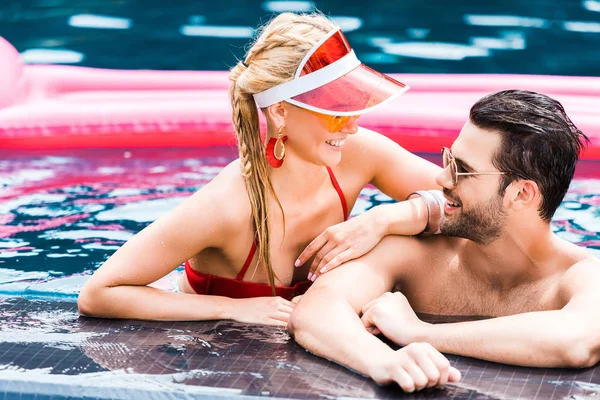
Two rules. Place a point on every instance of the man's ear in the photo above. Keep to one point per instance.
(524, 194)
(277, 113)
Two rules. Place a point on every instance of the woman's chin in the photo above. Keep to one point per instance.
(331, 160)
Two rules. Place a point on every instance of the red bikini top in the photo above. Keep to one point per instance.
(236, 288)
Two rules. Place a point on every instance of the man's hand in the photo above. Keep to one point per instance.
(392, 315)
(414, 367)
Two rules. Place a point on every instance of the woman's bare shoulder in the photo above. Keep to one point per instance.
(225, 196)
(362, 149)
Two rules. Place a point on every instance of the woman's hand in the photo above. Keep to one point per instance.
(343, 242)
(414, 367)
(262, 310)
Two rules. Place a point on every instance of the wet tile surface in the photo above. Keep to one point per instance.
(46, 349)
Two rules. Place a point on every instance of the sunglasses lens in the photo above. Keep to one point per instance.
(334, 123)
(338, 122)
(448, 161)
(453, 172)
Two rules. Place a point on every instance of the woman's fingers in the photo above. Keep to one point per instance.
(277, 322)
(333, 254)
(282, 316)
(286, 308)
(311, 249)
(337, 260)
(329, 246)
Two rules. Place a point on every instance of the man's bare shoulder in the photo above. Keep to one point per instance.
(583, 277)
(587, 268)
(407, 255)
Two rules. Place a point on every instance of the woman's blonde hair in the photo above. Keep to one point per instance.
(273, 59)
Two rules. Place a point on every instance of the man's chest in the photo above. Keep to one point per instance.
(456, 294)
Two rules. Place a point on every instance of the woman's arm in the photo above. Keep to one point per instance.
(399, 173)
(118, 289)
(395, 171)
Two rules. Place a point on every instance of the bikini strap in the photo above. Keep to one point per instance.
(242, 273)
(339, 191)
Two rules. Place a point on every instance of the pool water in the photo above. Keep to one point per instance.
(426, 36)
(64, 213)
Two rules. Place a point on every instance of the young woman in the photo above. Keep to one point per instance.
(241, 234)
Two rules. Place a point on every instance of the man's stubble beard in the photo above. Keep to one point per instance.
(482, 224)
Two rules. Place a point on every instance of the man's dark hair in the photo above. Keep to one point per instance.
(539, 142)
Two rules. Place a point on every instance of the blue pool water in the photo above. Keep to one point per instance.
(64, 213)
(429, 36)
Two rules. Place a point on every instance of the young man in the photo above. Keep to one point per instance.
(504, 177)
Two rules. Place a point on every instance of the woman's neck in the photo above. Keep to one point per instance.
(298, 178)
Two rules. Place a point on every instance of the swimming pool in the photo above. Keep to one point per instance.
(62, 213)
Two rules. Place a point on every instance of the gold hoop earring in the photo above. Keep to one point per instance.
(275, 151)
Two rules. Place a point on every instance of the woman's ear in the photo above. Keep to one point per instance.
(277, 113)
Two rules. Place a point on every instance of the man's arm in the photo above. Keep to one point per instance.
(326, 322)
(559, 338)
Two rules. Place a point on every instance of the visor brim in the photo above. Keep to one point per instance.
(355, 93)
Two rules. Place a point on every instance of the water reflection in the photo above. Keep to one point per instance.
(426, 36)
(99, 22)
(64, 214)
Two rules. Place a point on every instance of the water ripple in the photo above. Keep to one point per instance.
(57, 231)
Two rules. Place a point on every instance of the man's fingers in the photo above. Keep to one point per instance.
(370, 304)
(371, 328)
(311, 249)
(404, 380)
(429, 368)
(366, 320)
(454, 375)
(416, 373)
(442, 364)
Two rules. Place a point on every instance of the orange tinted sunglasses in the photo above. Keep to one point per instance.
(334, 123)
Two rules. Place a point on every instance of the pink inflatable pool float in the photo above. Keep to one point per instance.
(49, 107)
